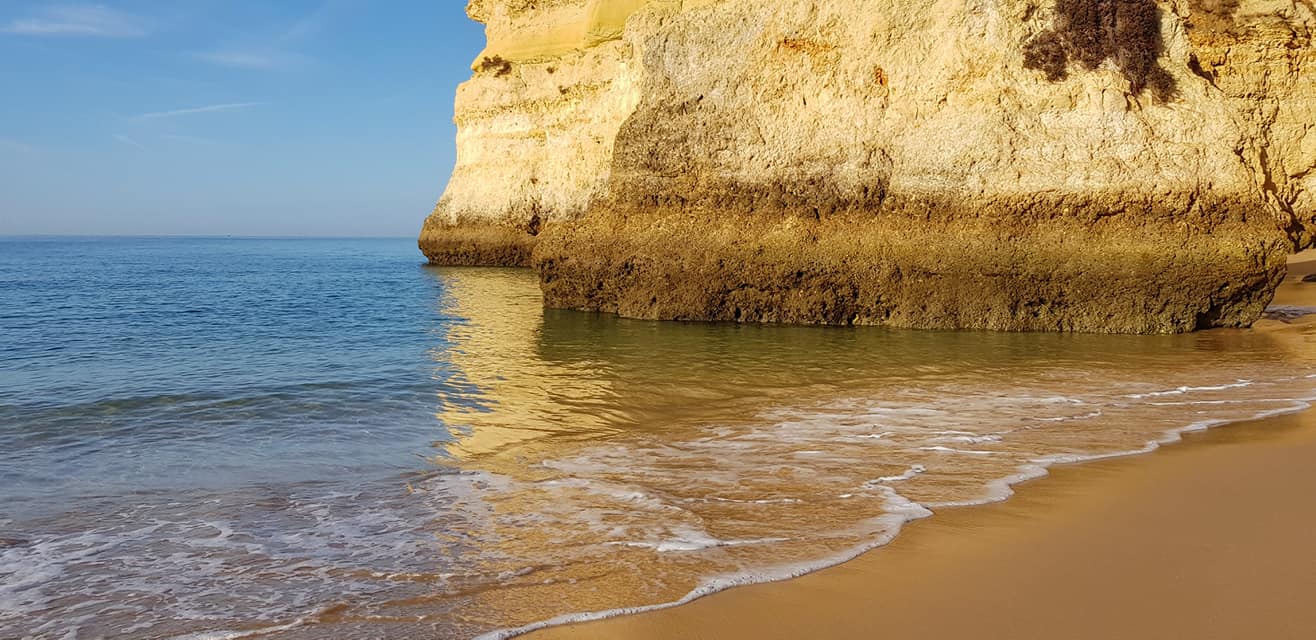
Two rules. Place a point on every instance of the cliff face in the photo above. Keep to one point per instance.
(536, 125)
(1091, 165)
(1259, 54)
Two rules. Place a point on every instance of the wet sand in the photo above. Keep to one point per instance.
(1212, 538)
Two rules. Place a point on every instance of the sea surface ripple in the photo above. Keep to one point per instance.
(228, 438)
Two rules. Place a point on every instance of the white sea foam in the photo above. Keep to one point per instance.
(694, 541)
(1187, 389)
(228, 634)
(881, 531)
(909, 474)
(1085, 416)
(969, 439)
(901, 510)
(751, 501)
(967, 452)
(799, 490)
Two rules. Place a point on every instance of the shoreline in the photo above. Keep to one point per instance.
(939, 574)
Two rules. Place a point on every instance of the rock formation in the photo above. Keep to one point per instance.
(1074, 165)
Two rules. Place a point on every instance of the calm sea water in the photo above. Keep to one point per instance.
(211, 438)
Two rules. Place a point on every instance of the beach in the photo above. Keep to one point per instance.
(658, 319)
(1209, 538)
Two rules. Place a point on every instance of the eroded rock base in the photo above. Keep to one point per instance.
(855, 269)
(475, 244)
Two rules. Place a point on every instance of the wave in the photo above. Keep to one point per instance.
(902, 512)
(1186, 389)
(701, 508)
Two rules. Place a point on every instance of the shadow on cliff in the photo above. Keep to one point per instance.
(1090, 32)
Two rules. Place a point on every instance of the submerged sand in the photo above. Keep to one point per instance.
(1209, 539)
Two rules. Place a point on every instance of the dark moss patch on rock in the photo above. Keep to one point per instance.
(495, 65)
(1090, 32)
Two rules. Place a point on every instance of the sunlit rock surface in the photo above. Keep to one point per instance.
(1074, 165)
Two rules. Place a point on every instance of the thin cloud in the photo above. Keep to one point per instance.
(84, 20)
(274, 51)
(155, 115)
(312, 23)
(254, 58)
(129, 141)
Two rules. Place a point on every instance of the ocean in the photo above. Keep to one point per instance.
(210, 438)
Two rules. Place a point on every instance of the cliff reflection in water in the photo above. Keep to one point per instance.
(511, 394)
(530, 377)
(603, 462)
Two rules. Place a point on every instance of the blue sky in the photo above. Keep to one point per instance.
(228, 117)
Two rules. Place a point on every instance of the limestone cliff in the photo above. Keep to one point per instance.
(536, 125)
(1087, 165)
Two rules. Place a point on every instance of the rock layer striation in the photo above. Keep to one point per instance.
(1074, 165)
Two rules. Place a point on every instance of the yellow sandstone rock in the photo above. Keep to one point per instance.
(1121, 166)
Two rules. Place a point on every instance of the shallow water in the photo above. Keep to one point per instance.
(301, 439)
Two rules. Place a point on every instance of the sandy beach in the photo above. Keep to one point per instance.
(1210, 538)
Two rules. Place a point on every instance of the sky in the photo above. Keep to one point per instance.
(228, 117)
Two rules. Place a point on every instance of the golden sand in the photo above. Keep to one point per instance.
(1209, 539)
